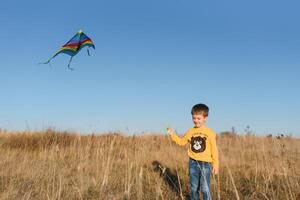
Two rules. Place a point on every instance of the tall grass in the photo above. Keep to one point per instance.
(61, 165)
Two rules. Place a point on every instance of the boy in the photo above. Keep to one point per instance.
(203, 152)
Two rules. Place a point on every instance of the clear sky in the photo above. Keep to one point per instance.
(153, 61)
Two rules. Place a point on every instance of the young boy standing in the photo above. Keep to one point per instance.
(202, 152)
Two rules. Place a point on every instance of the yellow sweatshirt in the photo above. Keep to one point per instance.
(203, 145)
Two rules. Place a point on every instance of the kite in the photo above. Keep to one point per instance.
(73, 46)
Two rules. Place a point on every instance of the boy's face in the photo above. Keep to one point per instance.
(199, 120)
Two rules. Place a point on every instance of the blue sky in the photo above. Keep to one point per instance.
(153, 61)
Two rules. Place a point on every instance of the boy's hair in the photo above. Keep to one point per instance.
(200, 109)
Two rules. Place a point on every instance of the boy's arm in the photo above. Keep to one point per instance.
(214, 154)
(178, 140)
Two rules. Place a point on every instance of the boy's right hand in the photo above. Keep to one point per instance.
(170, 131)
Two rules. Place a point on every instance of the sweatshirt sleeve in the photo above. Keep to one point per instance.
(180, 140)
(214, 151)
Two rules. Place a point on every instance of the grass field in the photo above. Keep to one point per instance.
(60, 165)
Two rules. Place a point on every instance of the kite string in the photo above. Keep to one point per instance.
(176, 168)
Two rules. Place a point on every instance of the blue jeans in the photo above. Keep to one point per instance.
(200, 179)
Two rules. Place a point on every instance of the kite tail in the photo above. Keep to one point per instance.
(70, 63)
(88, 51)
(47, 62)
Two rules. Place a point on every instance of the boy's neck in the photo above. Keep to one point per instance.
(202, 126)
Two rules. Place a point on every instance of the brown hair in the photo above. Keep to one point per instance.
(200, 109)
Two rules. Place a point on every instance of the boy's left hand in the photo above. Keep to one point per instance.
(215, 170)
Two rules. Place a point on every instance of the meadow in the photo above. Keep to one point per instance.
(58, 165)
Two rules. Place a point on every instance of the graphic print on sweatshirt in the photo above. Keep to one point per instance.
(198, 144)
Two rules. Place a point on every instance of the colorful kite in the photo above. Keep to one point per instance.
(74, 45)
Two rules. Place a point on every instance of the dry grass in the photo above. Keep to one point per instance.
(60, 165)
